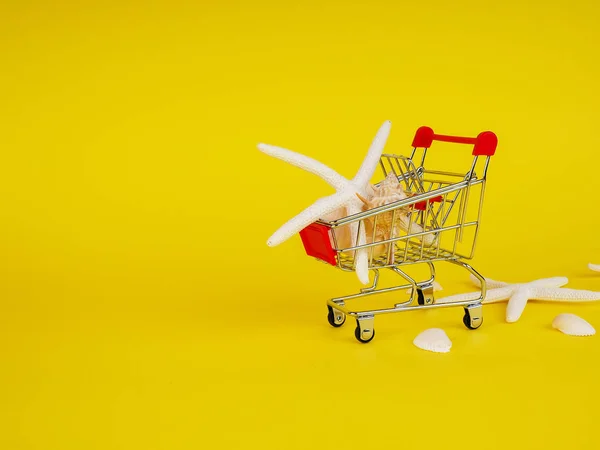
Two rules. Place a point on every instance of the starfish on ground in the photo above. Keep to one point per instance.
(594, 267)
(547, 289)
(344, 200)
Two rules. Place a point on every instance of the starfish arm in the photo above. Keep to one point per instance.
(554, 282)
(364, 174)
(564, 295)
(361, 256)
(516, 304)
(594, 267)
(490, 284)
(314, 212)
(309, 164)
(491, 296)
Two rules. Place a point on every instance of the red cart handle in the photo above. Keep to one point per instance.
(484, 144)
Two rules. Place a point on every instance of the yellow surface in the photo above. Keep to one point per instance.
(139, 304)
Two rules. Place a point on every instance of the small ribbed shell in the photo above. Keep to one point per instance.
(573, 325)
(388, 191)
(389, 186)
(433, 340)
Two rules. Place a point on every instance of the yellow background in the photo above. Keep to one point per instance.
(139, 304)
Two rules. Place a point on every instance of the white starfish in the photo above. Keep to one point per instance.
(345, 196)
(594, 267)
(547, 289)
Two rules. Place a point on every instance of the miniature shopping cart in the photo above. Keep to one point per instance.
(441, 220)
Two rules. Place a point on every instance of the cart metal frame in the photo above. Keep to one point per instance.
(441, 206)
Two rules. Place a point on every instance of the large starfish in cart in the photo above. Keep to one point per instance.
(345, 201)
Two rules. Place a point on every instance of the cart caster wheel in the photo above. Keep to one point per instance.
(364, 331)
(473, 317)
(335, 318)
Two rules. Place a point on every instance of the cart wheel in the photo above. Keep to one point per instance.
(364, 334)
(475, 320)
(335, 318)
(420, 297)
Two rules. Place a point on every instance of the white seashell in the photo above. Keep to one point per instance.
(594, 267)
(573, 325)
(433, 340)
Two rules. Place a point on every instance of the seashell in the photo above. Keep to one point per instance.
(433, 340)
(573, 325)
(343, 236)
(380, 227)
(594, 267)
(390, 190)
(389, 185)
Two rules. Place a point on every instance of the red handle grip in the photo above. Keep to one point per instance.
(484, 144)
